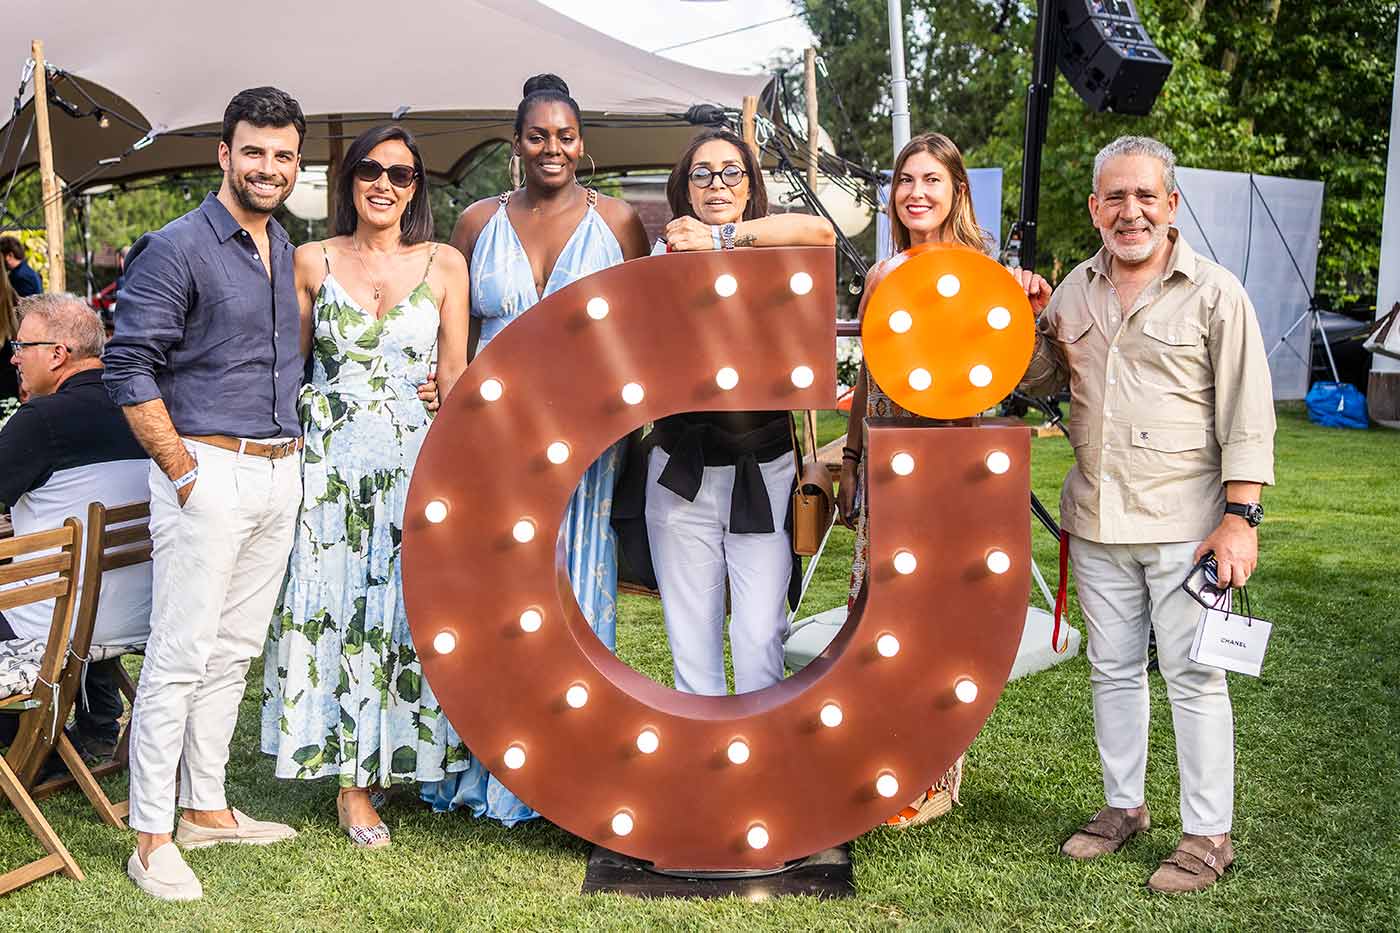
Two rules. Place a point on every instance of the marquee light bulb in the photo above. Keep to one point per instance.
(831, 715)
(800, 283)
(576, 696)
(492, 389)
(757, 837)
(902, 463)
(558, 452)
(435, 511)
(980, 376)
(999, 318)
(622, 823)
(727, 378)
(633, 393)
(887, 645)
(648, 741)
(803, 377)
(901, 321)
(515, 757)
(726, 285)
(531, 620)
(965, 689)
(738, 751)
(444, 642)
(524, 531)
(948, 285)
(998, 461)
(920, 379)
(886, 785)
(905, 562)
(598, 308)
(998, 561)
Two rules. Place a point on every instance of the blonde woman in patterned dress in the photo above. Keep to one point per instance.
(930, 202)
(344, 694)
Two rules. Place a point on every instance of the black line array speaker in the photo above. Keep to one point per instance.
(1107, 56)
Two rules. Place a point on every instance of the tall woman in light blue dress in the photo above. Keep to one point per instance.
(523, 246)
(344, 695)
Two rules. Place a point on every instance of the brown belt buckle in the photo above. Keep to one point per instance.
(285, 449)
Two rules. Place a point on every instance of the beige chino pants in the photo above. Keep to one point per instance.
(1126, 590)
(219, 566)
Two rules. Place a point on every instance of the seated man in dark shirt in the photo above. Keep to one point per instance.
(69, 445)
(23, 279)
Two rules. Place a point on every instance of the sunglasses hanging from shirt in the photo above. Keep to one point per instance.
(1231, 641)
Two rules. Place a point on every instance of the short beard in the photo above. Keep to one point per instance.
(251, 202)
(1133, 256)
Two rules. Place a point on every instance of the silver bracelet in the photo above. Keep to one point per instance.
(188, 478)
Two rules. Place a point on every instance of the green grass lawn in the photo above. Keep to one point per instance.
(1318, 773)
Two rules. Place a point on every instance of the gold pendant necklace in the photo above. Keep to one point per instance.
(378, 286)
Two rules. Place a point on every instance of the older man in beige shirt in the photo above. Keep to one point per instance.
(1173, 428)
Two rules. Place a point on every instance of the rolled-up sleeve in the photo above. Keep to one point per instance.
(1244, 395)
(1047, 373)
(151, 308)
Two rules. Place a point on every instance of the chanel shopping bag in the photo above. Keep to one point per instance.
(1232, 641)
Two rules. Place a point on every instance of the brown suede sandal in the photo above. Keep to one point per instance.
(1194, 866)
(1106, 832)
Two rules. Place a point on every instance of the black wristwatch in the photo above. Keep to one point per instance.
(1251, 512)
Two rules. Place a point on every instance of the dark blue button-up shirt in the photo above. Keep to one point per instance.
(25, 281)
(201, 326)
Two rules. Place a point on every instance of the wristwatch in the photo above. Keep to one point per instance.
(726, 235)
(1251, 512)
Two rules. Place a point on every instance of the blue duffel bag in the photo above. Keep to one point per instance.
(1337, 405)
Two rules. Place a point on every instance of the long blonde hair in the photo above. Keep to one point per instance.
(9, 314)
(960, 226)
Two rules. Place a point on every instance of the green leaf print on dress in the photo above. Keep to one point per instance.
(344, 693)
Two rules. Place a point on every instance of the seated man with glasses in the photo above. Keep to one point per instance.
(69, 445)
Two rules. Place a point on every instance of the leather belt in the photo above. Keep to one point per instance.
(256, 449)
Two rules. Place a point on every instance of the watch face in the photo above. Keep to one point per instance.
(727, 229)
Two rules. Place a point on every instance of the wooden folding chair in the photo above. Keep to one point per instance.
(40, 701)
(108, 548)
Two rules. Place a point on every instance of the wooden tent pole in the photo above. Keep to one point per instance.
(810, 69)
(750, 134)
(53, 199)
(336, 130)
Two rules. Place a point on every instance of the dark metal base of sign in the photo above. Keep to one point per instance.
(827, 874)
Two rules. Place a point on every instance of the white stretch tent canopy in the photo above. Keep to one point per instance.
(1226, 216)
(457, 65)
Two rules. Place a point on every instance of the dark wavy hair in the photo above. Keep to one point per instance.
(263, 106)
(678, 185)
(545, 88)
(416, 224)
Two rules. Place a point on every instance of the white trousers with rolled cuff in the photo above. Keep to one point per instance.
(219, 563)
(692, 552)
(1126, 590)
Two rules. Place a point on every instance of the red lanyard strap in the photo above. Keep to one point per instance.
(1061, 595)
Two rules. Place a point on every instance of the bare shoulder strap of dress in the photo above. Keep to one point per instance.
(505, 197)
(592, 197)
(431, 254)
(326, 256)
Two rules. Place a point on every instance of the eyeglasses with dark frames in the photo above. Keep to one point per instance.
(18, 345)
(731, 175)
(400, 176)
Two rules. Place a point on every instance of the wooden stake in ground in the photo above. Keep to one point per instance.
(810, 69)
(749, 118)
(53, 199)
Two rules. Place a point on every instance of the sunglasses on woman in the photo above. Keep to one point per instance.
(400, 176)
(731, 175)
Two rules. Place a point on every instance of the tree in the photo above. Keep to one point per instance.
(1286, 89)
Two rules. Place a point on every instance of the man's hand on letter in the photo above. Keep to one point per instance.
(1037, 289)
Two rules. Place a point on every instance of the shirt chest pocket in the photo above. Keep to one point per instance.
(1173, 355)
(1073, 333)
(1164, 461)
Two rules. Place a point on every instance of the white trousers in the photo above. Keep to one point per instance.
(219, 565)
(1124, 589)
(692, 551)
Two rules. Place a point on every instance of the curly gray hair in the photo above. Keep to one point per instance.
(1138, 146)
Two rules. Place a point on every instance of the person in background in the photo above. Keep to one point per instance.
(1173, 436)
(66, 447)
(718, 489)
(23, 279)
(377, 300)
(930, 202)
(524, 245)
(9, 330)
(207, 365)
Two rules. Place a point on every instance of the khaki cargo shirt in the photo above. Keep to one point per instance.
(1170, 401)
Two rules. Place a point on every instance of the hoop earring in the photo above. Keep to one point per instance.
(593, 170)
(516, 181)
